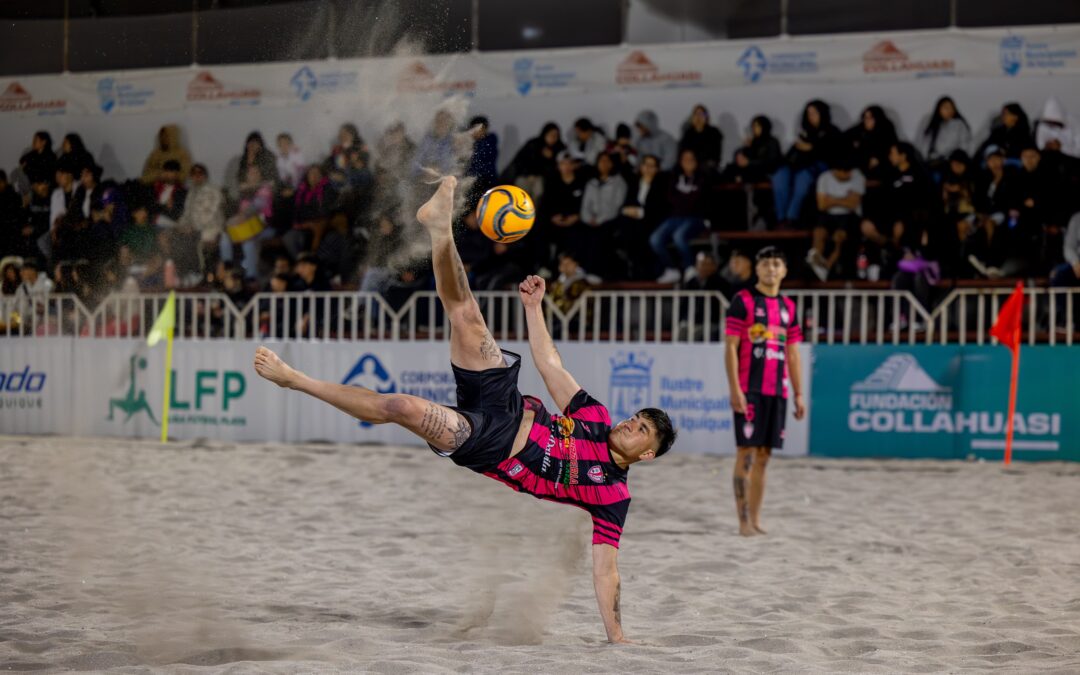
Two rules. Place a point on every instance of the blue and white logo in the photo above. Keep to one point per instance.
(370, 373)
(1012, 54)
(106, 90)
(753, 63)
(437, 386)
(523, 75)
(116, 95)
(307, 82)
(631, 384)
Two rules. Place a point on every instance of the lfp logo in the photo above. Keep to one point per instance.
(1012, 54)
(631, 384)
(213, 393)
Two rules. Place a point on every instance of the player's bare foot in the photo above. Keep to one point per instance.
(437, 212)
(759, 529)
(270, 366)
(747, 531)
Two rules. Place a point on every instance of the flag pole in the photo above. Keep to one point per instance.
(168, 385)
(1012, 397)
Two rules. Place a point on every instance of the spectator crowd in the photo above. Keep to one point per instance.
(638, 203)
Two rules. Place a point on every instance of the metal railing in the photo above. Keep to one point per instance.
(845, 316)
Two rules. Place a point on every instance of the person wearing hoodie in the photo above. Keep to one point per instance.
(204, 212)
(652, 140)
(686, 195)
(257, 154)
(946, 133)
(483, 162)
(74, 155)
(600, 206)
(536, 161)
(39, 164)
(1010, 131)
(702, 138)
(167, 147)
(1056, 130)
(806, 160)
(758, 158)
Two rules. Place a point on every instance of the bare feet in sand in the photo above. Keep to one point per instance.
(747, 531)
(759, 529)
(270, 366)
(438, 211)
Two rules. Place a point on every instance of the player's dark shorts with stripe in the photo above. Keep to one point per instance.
(763, 424)
(490, 401)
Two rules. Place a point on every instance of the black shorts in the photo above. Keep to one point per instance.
(490, 401)
(763, 424)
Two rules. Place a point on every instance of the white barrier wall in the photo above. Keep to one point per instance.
(119, 113)
(115, 388)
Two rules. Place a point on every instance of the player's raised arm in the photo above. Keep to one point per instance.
(560, 383)
(608, 589)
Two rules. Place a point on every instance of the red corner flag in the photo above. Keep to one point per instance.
(1007, 330)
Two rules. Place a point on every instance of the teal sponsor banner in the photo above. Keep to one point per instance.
(944, 402)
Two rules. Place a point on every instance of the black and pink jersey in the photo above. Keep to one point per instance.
(765, 325)
(566, 459)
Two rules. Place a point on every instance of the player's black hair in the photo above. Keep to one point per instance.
(770, 252)
(665, 430)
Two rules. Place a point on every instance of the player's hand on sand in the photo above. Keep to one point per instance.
(738, 402)
(532, 291)
(800, 407)
(270, 366)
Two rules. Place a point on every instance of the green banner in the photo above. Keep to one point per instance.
(944, 402)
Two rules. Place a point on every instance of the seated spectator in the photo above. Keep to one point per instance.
(169, 196)
(739, 272)
(37, 212)
(870, 140)
(818, 139)
(309, 275)
(256, 154)
(600, 205)
(35, 285)
(167, 147)
(72, 237)
(759, 156)
(1067, 274)
(1037, 197)
(290, 163)
(394, 151)
(840, 192)
(483, 162)
(686, 197)
(946, 133)
(338, 162)
(39, 164)
(62, 195)
(535, 161)
(88, 190)
(74, 155)
(338, 250)
(1056, 130)
(559, 213)
(272, 310)
(571, 283)
(646, 205)
(586, 142)
(1010, 131)
(12, 214)
(10, 279)
(313, 313)
(384, 240)
(204, 214)
(248, 227)
(315, 198)
(958, 186)
(706, 276)
(623, 148)
(999, 229)
(652, 140)
(138, 241)
(437, 150)
(705, 140)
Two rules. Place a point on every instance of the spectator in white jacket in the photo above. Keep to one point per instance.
(204, 212)
(1057, 130)
(600, 208)
(291, 164)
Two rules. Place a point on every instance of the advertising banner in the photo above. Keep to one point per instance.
(943, 402)
(35, 385)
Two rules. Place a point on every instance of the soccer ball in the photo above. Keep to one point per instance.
(505, 213)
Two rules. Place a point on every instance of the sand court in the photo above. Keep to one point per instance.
(126, 556)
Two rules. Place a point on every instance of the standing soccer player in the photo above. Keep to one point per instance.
(761, 350)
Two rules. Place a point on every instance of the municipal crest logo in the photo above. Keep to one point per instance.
(106, 91)
(753, 63)
(1012, 54)
(631, 384)
(304, 83)
(523, 75)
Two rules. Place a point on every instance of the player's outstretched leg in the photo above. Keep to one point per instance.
(741, 482)
(472, 346)
(757, 486)
(440, 426)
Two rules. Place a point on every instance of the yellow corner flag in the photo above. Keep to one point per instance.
(163, 328)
